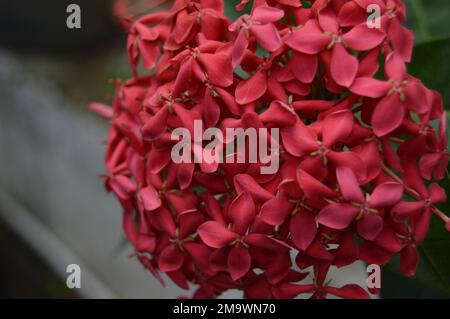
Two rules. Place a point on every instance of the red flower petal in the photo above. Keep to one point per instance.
(162, 219)
(389, 240)
(170, 259)
(308, 39)
(299, 140)
(304, 66)
(373, 254)
(370, 155)
(303, 229)
(149, 53)
(337, 216)
(156, 125)
(395, 67)
(186, 116)
(370, 226)
(278, 268)
(244, 182)
(183, 27)
(344, 66)
(123, 186)
(146, 244)
(242, 212)
(409, 259)
(388, 115)
(437, 193)
(239, 48)
(422, 224)
(405, 209)
(351, 14)
(103, 110)
(318, 252)
(215, 234)
(428, 163)
(229, 101)
(200, 253)
(402, 39)
(347, 252)
(336, 127)
(349, 185)
(275, 211)
(313, 187)
(150, 198)
(239, 262)
(279, 115)
(328, 20)
(266, 14)
(416, 97)
(184, 75)
(211, 110)
(312, 105)
(351, 160)
(157, 160)
(267, 36)
(362, 38)
(218, 67)
(386, 194)
(369, 87)
(185, 172)
(252, 88)
(314, 166)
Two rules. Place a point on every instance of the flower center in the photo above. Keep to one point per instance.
(397, 87)
(321, 152)
(335, 38)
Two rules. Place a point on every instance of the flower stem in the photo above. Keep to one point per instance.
(411, 192)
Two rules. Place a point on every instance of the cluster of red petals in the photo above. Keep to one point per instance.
(360, 139)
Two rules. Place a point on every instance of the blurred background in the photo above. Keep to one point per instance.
(53, 208)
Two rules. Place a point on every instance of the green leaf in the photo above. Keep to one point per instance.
(430, 64)
(395, 285)
(232, 13)
(430, 19)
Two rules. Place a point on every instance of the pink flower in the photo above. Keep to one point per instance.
(144, 40)
(353, 154)
(325, 34)
(425, 199)
(365, 210)
(260, 24)
(399, 93)
(217, 235)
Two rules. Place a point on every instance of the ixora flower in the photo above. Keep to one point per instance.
(358, 155)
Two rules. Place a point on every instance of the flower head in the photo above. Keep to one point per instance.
(355, 146)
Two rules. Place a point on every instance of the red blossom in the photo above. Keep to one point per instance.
(355, 148)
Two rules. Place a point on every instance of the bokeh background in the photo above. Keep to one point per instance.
(53, 208)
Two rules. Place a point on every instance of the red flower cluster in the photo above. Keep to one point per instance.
(357, 145)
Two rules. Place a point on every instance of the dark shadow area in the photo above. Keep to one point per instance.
(23, 274)
(40, 26)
